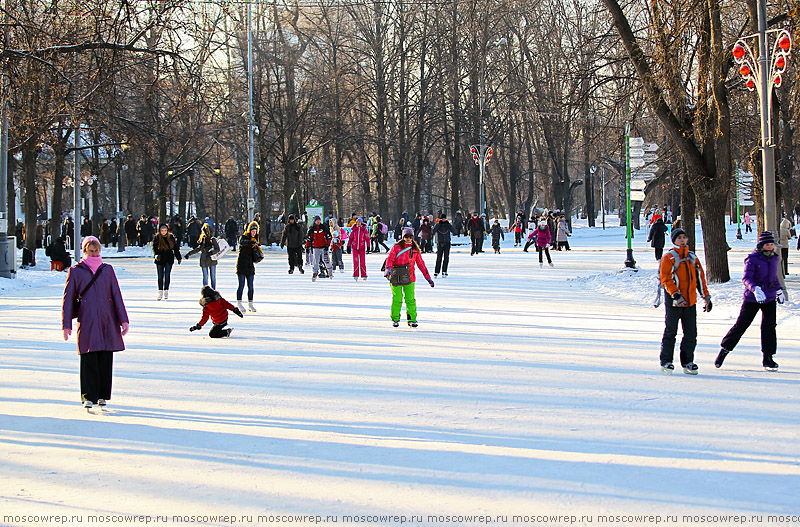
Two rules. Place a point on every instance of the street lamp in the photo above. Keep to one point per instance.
(481, 153)
(217, 172)
(762, 75)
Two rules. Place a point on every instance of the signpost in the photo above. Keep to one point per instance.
(638, 154)
(744, 181)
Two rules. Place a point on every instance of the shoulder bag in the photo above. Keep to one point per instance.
(76, 301)
(401, 273)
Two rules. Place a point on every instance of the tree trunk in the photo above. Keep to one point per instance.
(30, 152)
(712, 215)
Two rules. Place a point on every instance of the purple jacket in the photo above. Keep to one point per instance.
(102, 310)
(762, 272)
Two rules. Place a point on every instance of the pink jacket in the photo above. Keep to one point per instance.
(543, 237)
(359, 238)
(405, 258)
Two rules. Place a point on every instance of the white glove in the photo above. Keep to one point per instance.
(760, 296)
(780, 296)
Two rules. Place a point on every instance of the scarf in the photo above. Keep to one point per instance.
(93, 262)
(164, 242)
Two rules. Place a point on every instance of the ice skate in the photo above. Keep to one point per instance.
(769, 364)
(667, 368)
(721, 357)
(166, 294)
(690, 369)
(160, 294)
(240, 305)
(252, 307)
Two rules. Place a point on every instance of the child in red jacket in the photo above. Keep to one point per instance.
(215, 307)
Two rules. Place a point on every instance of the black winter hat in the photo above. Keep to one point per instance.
(675, 233)
(765, 237)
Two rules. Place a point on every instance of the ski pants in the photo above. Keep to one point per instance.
(249, 278)
(442, 257)
(360, 262)
(321, 252)
(96, 370)
(210, 272)
(295, 257)
(398, 291)
(769, 340)
(688, 319)
(546, 251)
(164, 272)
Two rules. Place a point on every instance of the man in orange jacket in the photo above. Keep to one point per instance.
(682, 276)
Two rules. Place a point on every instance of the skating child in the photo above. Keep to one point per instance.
(497, 234)
(682, 277)
(762, 290)
(217, 308)
(337, 248)
(404, 255)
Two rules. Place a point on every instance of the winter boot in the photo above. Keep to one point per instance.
(240, 305)
(690, 369)
(252, 307)
(769, 364)
(667, 368)
(160, 294)
(721, 357)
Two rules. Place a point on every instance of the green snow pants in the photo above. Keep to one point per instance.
(397, 301)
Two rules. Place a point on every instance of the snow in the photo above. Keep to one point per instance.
(524, 391)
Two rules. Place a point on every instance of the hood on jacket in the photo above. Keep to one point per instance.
(208, 295)
(250, 227)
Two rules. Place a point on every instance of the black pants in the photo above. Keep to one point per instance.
(564, 244)
(517, 237)
(218, 331)
(659, 253)
(427, 246)
(769, 340)
(785, 259)
(477, 245)
(688, 319)
(546, 251)
(295, 257)
(96, 370)
(442, 257)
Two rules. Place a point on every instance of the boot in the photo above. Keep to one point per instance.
(769, 364)
(252, 307)
(240, 305)
(160, 294)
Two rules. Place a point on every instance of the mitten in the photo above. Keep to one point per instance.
(195, 327)
(759, 294)
(237, 312)
(709, 305)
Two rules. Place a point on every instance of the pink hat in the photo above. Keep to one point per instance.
(86, 241)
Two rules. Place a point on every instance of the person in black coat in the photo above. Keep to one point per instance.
(193, 232)
(293, 238)
(442, 231)
(656, 237)
(131, 233)
(476, 229)
(166, 250)
(231, 232)
(58, 253)
(178, 227)
(245, 265)
(86, 228)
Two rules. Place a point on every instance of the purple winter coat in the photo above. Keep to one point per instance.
(102, 310)
(762, 272)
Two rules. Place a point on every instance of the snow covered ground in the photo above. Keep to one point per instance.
(525, 394)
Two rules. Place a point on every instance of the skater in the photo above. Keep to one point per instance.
(424, 234)
(563, 233)
(748, 221)
(336, 248)
(682, 276)
(442, 230)
(245, 265)
(476, 229)
(379, 231)
(400, 272)
(92, 295)
(357, 243)
(497, 234)
(215, 307)
(519, 228)
(206, 246)
(541, 237)
(762, 291)
(292, 238)
(786, 235)
(319, 236)
(232, 232)
(165, 252)
(656, 237)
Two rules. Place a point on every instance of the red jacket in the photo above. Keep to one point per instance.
(405, 258)
(217, 310)
(319, 236)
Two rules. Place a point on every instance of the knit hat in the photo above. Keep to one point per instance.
(407, 231)
(86, 241)
(163, 226)
(675, 233)
(764, 238)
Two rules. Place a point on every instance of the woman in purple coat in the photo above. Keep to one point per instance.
(102, 321)
(762, 291)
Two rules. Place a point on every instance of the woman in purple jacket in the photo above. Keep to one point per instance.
(102, 321)
(762, 291)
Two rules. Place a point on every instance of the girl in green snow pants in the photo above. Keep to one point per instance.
(406, 252)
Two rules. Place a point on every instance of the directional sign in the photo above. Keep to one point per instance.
(638, 184)
(745, 203)
(746, 179)
(636, 141)
(643, 175)
(650, 158)
(637, 195)
(637, 162)
(636, 152)
(649, 147)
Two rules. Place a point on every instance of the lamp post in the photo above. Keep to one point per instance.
(762, 78)
(170, 173)
(217, 172)
(482, 153)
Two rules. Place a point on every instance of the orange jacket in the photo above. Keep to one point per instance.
(684, 278)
